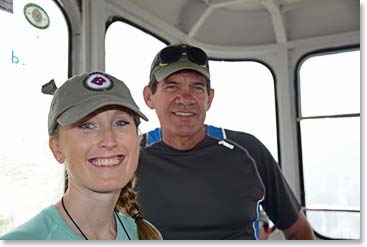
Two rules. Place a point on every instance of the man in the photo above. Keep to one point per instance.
(201, 182)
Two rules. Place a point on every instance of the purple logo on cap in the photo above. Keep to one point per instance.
(98, 80)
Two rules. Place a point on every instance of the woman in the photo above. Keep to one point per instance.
(92, 125)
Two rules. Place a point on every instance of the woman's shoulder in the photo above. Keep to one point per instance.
(129, 224)
(127, 227)
(36, 228)
(46, 225)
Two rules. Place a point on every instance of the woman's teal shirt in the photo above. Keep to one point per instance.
(49, 225)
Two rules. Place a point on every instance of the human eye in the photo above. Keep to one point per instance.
(171, 87)
(199, 87)
(86, 125)
(121, 123)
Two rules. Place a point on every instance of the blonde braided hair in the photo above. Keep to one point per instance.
(128, 203)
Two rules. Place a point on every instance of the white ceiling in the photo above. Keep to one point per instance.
(243, 22)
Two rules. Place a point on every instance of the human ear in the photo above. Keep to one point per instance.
(210, 99)
(54, 145)
(147, 93)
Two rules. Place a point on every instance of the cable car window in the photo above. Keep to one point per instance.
(34, 50)
(336, 89)
(129, 54)
(330, 141)
(244, 100)
(239, 85)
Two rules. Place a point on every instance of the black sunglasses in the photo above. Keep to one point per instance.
(172, 54)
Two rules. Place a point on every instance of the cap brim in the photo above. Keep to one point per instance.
(164, 71)
(78, 112)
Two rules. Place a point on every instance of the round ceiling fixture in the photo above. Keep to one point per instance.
(36, 15)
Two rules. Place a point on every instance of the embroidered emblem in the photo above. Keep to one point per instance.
(98, 82)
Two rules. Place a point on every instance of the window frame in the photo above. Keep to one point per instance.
(65, 14)
(299, 118)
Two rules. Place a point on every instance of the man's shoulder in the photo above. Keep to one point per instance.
(238, 137)
(151, 137)
(245, 141)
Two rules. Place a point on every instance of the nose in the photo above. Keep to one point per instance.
(107, 138)
(185, 97)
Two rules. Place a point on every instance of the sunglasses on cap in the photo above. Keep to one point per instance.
(172, 54)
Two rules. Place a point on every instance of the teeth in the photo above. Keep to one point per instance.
(184, 114)
(105, 162)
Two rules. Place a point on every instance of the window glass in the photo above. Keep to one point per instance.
(329, 93)
(330, 84)
(30, 178)
(331, 157)
(244, 100)
(129, 54)
(338, 224)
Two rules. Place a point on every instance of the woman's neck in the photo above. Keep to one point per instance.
(93, 213)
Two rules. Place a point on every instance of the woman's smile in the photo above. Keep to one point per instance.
(107, 161)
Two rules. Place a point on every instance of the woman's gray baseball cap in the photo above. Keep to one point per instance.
(83, 94)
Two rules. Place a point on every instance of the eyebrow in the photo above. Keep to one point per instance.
(170, 82)
(123, 113)
(200, 83)
(165, 82)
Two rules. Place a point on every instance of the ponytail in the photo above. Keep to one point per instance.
(128, 203)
